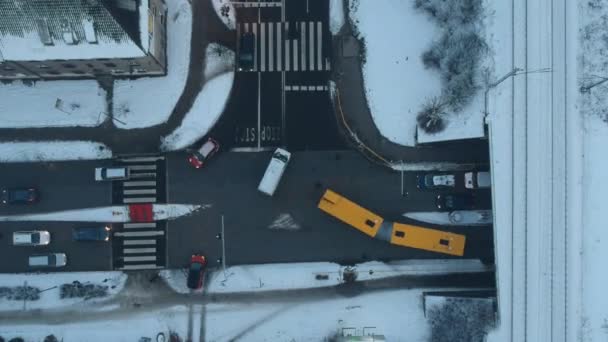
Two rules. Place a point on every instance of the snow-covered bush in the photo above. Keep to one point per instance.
(79, 290)
(20, 293)
(456, 55)
(461, 320)
(430, 118)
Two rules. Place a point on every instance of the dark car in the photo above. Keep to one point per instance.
(101, 233)
(455, 202)
(200, 156)
(196, 271)
(19, 196)
(246, 51)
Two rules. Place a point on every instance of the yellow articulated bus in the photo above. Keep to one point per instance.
(399, 234)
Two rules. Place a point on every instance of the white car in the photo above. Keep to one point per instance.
(32, 238)
(477, 180)
(274, 171)
(111, 173)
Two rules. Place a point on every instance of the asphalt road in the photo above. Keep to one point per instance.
(252, 235)
(285, 100)
(81, 256)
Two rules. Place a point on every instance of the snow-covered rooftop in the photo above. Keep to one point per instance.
(37, 30)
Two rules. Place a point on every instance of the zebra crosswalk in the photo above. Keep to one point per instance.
(145, 183)
(139, 246)
(288, 46)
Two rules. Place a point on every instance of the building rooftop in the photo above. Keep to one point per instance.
(36, 30)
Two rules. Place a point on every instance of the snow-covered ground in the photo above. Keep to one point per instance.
(225, 11)
(457, 218)
(107, 214)
(49, 284)
(149, 101)
(393, 313)
(396, 81)
(210, 102)
(51, 104)
(52, 151)
(269, 277)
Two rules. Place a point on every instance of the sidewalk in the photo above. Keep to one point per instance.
(146, 140)
(347, 73)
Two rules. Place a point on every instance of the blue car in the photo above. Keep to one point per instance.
(101, 233)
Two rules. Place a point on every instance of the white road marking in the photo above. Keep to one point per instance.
(262, 46)
(140, 258)
(138, 242)
(279, 47)
(311, 45)
(139, 192)
(143, 167)
(254, 29)
(139, 200)
(303, 45)
(270, 46)
(319, 46)
(295, 55)
(287, 45)
(139, 183)
(139, 267)
(139, 250)
(139, 234)
(139, 225)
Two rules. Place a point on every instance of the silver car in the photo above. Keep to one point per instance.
(32, 238)
(48, 260)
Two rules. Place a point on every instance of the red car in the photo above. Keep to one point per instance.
(196, 271)
(200, 156)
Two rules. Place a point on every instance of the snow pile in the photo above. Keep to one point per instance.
(225, 11)
(218, 60)
(454, 218)
(292, 276)
(145, 102)
(51, 104)
(205, 112)
(52, 151)
(108, 214)
(395, 78)
(473, 317)
(49, 284)
(336, 16)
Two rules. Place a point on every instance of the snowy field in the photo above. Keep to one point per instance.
(52, 151)
(49, 284)
(149, 101)
(51, 104)
(210, 102)
(397, 83)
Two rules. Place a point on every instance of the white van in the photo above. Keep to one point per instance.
(475, 180)
(274, 171)
(31, 238)
(48, 260)
(111, 173)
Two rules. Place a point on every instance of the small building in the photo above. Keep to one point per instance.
(59, 39)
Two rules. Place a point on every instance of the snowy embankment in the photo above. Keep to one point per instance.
(454, 218)
(589, 277)
(210, 102)
(149, 101)
(49, 283)
(225, 11)
(336, 16)
(108, 214)
(51, 104)
(14, 152)
(269, 277)
(397, 82)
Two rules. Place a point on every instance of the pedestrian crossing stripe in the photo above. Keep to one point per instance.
(306, 88)
(275, 49)
(255, 4)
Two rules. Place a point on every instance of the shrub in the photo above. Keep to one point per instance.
(431, 117)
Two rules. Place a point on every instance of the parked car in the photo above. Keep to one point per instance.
(196, 271)
(19, 196)
(112, 173)
(477, 180)
(31, 238)
(435, 181)
(455, 202)
(246, 51)
(100, 233)
(48, 260)
(204, 153)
